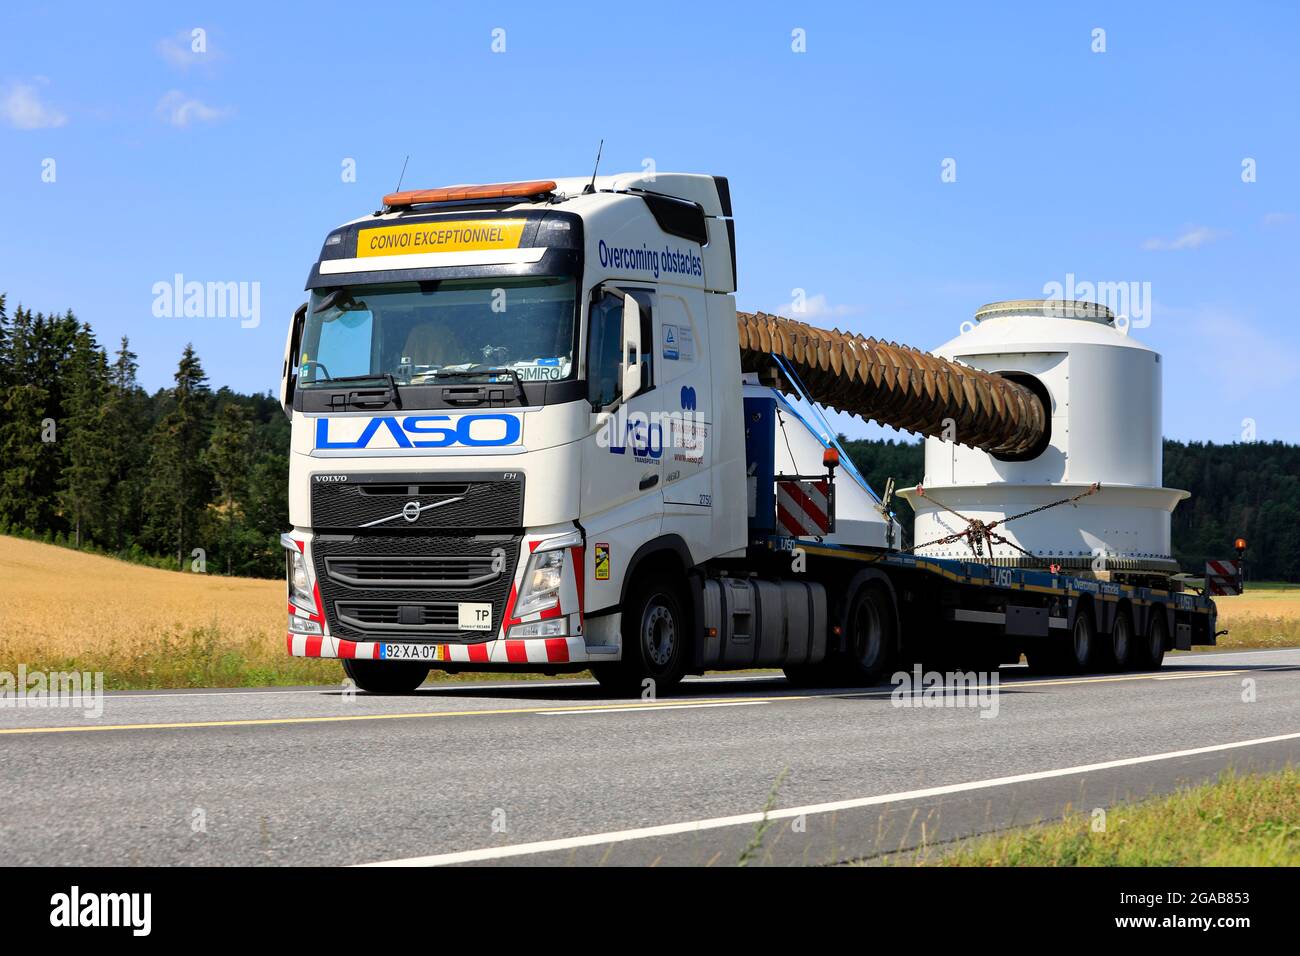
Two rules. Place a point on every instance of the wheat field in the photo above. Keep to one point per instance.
(1263, 617)
(143, 627)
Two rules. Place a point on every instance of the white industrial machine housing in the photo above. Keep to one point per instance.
(1101, 390)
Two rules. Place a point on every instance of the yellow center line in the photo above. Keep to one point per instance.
(612, 707)
(1115, 679)
(1190, 676)
(1046, 682)
(266, 721)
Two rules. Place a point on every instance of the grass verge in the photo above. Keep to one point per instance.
(1250, 820)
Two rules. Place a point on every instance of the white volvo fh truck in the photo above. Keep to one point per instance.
(522, 439)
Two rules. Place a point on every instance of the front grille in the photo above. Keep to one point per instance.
(366, 578)
(442, 571)
(417, 502)
(398, 615)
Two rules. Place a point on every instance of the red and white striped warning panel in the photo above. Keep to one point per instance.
(544, 650)
(1223, 578)
(803, 507)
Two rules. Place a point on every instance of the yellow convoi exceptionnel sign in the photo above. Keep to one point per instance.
(468, 235)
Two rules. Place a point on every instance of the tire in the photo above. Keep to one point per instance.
(1151, 650)
(386, 677)
(870, 637)
(1119, 649)
(656, 638)
(1081, 648)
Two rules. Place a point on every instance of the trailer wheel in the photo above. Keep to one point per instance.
(1120, 649)
(656, 634)
(386, 677)
(870, 636)
(1081, 648)
(1151, 651)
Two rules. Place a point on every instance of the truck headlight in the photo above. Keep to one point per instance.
(542, 575)
(541, 590)
(299, 581)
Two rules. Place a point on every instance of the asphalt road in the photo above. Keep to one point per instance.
(527, 773)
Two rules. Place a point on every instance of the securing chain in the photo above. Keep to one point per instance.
(980, 533)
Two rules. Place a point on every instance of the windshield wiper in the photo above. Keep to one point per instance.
(353, 378)
(391, 395)
(471, 372)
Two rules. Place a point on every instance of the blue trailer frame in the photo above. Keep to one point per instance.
(1066, 594)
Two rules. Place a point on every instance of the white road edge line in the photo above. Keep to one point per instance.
(740, 819)
(633, 709)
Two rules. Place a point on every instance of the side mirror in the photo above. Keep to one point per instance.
(289, 371)
(631, 347)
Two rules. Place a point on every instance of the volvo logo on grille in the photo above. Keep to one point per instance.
(412, 510)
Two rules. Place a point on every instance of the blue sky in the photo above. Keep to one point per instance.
(1117, 166)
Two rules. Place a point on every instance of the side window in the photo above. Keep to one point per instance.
(603, 384)
(605, 343)
(648, 343)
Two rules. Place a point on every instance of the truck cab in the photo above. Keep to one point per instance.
(513, 406)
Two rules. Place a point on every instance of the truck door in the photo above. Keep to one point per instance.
(685, 378)
(622, 456)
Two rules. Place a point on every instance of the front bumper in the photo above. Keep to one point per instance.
(542, 650)
(309, 633)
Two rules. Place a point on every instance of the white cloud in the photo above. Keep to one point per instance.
(178, 109)
(815, 307)
(1279, 218)
(1192, 238)
(21, 106)
(180, 53)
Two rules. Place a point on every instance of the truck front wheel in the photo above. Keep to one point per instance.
(386, 677)
(656, 635)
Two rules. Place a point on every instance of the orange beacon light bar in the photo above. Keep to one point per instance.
(535, 187)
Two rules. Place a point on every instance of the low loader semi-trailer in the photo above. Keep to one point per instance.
(530, 431)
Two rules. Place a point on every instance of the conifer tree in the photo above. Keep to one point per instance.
(177, 492)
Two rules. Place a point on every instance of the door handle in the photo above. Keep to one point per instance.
(649, 481)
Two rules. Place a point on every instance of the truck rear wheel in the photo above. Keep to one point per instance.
(656, 638)
(386, 677)
(1151, 650)
(1081, 649)
(870, 636)
(1120, 649)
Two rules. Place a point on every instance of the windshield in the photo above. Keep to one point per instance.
(460, 330)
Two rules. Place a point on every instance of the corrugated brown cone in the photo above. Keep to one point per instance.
(896, 385)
